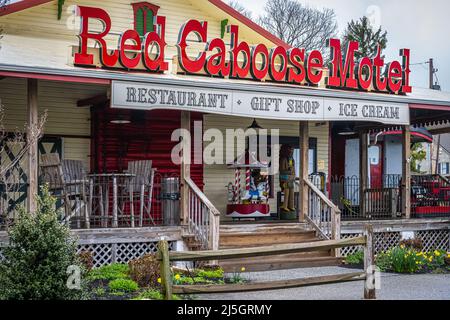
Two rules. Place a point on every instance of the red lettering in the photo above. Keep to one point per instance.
(405, 53)
(158, 38)
(127, 62)
(297, 73)
(394, 76)
(200, 29)
(260, 73)
(379, 82)
(342, 76)
(365, 64)
(280, 74)
(82, 57)
(237, 70)
(216, 63)
(314, 62)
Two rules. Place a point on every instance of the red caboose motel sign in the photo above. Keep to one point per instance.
(294, 65)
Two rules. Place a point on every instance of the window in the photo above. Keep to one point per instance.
(444, 168)
(144, 13)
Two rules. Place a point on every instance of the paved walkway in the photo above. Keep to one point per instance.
(393, 287)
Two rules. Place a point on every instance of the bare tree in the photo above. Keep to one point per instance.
(3, 4)
(239, 7)
(298, 25)
(13, 149)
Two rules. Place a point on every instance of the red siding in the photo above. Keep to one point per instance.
(148, 136)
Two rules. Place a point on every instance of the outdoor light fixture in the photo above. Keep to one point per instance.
(347, 131)
(120, 119)
(254, 125)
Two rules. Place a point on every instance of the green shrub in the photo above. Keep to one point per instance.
(404, 260)
(211, 274)
(39, 255)
(383, 261)
(355, 258)
(110, 272)
(123, 285)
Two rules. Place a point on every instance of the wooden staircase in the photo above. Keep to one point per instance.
(244, 235)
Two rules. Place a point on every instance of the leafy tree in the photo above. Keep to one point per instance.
(369, 39)
(418, 154)
(36, 262)
(298, 25)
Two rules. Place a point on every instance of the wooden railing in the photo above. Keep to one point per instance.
(166, 258)
(323, 215)
(203, 218)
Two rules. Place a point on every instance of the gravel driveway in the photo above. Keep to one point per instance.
(393, 287)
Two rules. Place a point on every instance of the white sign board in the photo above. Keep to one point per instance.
(143, 96)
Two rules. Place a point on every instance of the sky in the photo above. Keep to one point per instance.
(422, 26)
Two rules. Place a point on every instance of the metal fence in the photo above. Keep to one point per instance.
(430, 197)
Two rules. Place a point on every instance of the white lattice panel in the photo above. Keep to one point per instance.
(101, 253)
(434, 239)
(107, 253)
(383, 241)
(350, 250)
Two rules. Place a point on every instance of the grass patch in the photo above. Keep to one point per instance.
(123, 286)
(110, 272)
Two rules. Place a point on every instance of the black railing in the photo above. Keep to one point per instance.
(430, 197)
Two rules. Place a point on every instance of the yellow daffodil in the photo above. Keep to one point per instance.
(159, 280)
(242, 269)
(177, 277)
(448, 255)
(430, 259)
(437, 253)
(402, 246)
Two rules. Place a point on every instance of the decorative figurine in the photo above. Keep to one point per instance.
(287, 178)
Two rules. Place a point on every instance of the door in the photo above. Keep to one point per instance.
(376, 166)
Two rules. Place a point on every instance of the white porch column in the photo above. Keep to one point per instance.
(363, 172)
(32, 155)
(406, 172)
(185, 168)
(303, 168)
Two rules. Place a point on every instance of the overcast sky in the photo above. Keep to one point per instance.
(422, 26)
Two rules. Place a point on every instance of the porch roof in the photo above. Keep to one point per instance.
(420, 98)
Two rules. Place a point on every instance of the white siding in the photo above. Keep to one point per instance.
(64, 117)
(217, 176)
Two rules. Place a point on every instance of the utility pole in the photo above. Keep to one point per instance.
(431, 72)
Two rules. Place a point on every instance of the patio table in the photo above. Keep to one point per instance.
(104, 181)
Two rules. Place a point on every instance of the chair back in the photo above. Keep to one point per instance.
(51, 171)
(73, 174)
(142, 170)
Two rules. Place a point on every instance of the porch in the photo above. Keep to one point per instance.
(111, 139)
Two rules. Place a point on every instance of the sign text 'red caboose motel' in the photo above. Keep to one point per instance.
(292, 65)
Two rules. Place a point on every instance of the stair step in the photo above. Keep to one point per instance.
(239, 229)
(280, 264)
(261, 239)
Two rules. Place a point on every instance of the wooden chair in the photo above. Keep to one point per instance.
(66, 180)
(141, 183)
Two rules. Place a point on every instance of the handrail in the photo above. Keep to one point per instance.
(322, 215)
(203, 218)
(202, 196)
(224, 254)
(322, 196)
(166, 258)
